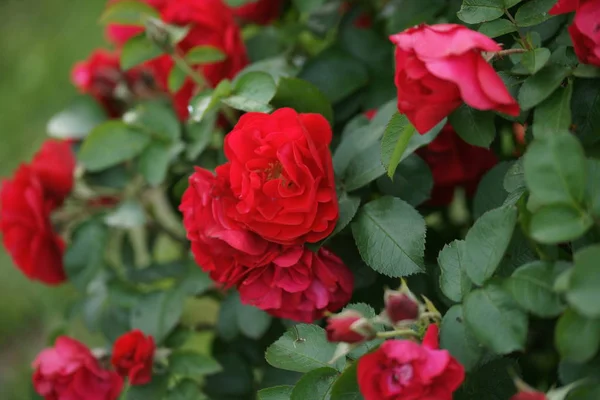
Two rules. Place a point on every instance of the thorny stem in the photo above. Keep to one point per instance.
(401, 332)
(514, 22)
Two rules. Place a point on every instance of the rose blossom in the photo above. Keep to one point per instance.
(133, 356)
(54, 165)
(349, 326)
(400, 307)
(453, 162)
(299, 285)
(70, 371)
(281, 175)
(221, 246)
(585, 32)
(405, 370)
(529, 396)
(439, 67)
(261, 12)
(566, 6)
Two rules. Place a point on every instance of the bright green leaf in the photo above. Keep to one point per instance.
(192, 365)
(476, 11)
(137, 50)
(458, 339)
(303, 348)
(316, 384)
(111, 143)
(540, 86)
(577, 338)
(495, 319)
(346, 387)
(176, 79)
(128, 13)
(82, 115)
(155, 117)
(534, 12)
(557, 223)
(390, 236)
(276, 393)
(583, 292)
(454, 281)
(348, 208)
(154, 161)
(474, 126)
(586, 71)
(252, 92)
(364, 168)
(303, 97)
(535, 59)
(205, 55)
(497, 28)
(157, 313)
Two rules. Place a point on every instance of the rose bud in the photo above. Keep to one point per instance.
(133, 356)
(349, 326)
(401, 306)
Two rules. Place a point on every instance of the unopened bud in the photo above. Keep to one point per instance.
(349, 326)
(401, 306)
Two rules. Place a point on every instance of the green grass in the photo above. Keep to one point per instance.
(39, 42)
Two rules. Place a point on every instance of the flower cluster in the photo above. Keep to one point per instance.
(27, 201)
(584, 30)
(248, 224)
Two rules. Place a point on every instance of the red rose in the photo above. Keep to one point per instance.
(54, 165)
(299, 285)
(400, 307)
(119, 34)
(259, 11)
(220, 245)
(453, 162)
(281, 174)
(585, 32)
(133, 356)
(405, 370)
(566, 6)
(70, 371)
(349, 326)
(439, 67)
(529, 396)
(26, 229)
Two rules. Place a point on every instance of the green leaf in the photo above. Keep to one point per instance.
(157, 313)
(587, 71)
(155, 390)
(535, 59)
(137, 50)
(252, 322)
(476, 11)
(205, 55)
(399, 141)
(474, 126)
(348, 207)
(154, 162)
(176, 79)
(336, 73)
(532, 287)
(252, 92)
(192, 365)
(128, 13)
(390, 236)
(587, 391)
(497, 28)
(111, 143)
(316, 384)
(454, 281)
(557, 223)
(458, 339)
(592, 192)
(534, 12)
(487, 241)
(364, 168)
(491, 381)
(555, 169)
(303, 348)
(553, 115)
(346, 387)
(495, 319)
(186, 390)
(585, 106)
(540, 86)
(583, 292)
(85, 256)
(490, 193)
(577, 337)
(155, 117)
(412, 181)
(302, 96)
(208, 102)
(308, 6)
(200, 135)
(276, 393)
(82, 115)
(128, 215)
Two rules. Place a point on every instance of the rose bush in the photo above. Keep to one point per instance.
(383, 210)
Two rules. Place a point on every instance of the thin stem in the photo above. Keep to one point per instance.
(164, 214)
(187, 68)
(514, 22)
(401, 332)
(229, 115)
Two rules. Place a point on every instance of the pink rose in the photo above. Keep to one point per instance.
(439, 67)
(566, 6)
(585, 32)
(349, 326)
(299, 285)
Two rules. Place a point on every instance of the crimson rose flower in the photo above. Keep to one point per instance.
(281, 175)
(259, 11)
(70, 371)
(349, 326)
(529, 396)
(453, 162)
(54, 165)
(439, 67)
(585, 32)
(405, 370)
(133, 355)
(567, 6)
(299, 285)
(221, 246)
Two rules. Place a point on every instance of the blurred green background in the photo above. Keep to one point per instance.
(39, 42)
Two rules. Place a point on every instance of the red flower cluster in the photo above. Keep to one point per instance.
(133, 356)
(26, 202)
(585, 30)
(248, 224)
(211, 23)
(70, 371)
(433, 79)
(405, 370)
